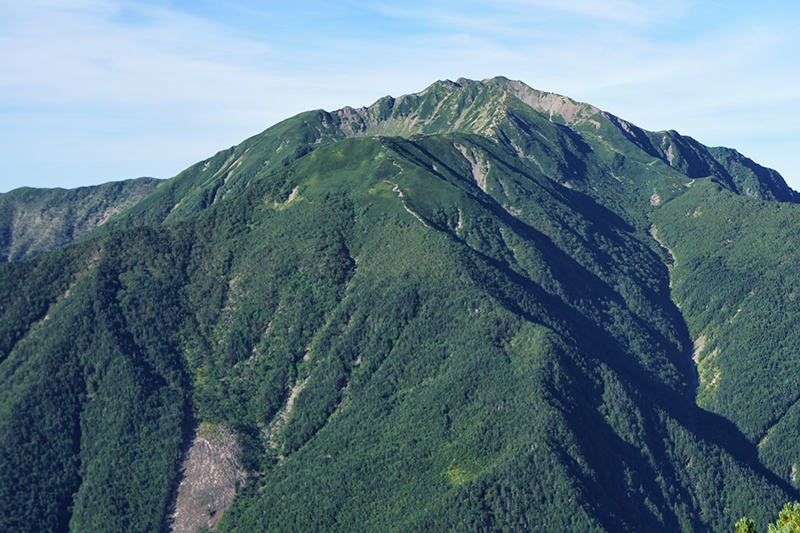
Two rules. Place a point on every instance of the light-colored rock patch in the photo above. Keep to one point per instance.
(699, 346)
(273, 431)
(479, 165)
(211, 476)
(670, 155)
(655, 199)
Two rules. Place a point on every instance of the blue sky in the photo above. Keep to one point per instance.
(101, 90)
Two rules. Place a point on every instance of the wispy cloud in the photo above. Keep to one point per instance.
(102, 52)
(153, 88)
(631, 12)
(508, 18)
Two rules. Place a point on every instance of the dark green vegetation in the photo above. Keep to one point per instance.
(33, 221)
(788, 521)
(451, 311)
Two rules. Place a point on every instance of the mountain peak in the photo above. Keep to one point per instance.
(477, 307)
(549, 103)
(572, 143)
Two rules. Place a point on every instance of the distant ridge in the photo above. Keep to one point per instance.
(33, 221)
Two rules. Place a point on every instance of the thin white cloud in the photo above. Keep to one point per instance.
(87, 53)
(633, 12)
(516, 16)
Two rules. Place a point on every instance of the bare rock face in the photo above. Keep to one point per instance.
(211, 476)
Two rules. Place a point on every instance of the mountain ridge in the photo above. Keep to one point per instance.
(33, 221)
(224, 174)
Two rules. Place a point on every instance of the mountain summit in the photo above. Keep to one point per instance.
(508, 113)
(479, 307)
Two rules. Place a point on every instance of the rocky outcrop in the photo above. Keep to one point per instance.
(211, 476)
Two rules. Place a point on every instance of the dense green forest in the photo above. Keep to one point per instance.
(476, 308)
